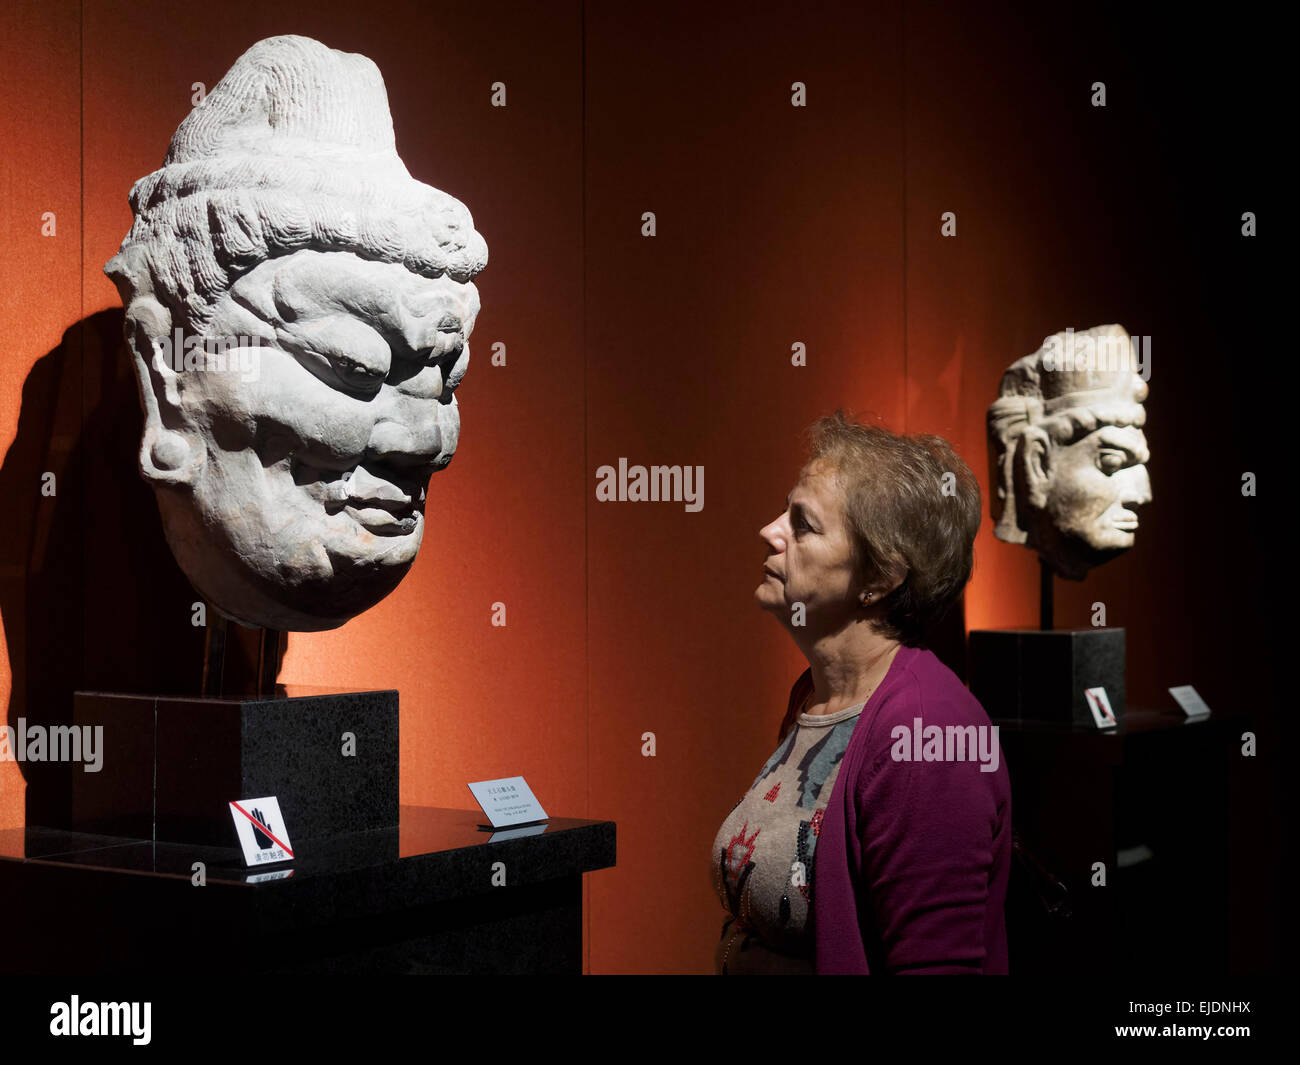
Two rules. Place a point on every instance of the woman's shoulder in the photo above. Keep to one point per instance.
(925, 722)
(923, 687)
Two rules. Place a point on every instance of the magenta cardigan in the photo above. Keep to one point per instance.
(913, 857)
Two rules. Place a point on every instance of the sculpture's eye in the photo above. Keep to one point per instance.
(360, 375)
(1111, 461)
(355, 375)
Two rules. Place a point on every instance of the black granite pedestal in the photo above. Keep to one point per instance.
(145, 876)
(172, 765)
(1041, 674)
(1160, 802)
(432, 894)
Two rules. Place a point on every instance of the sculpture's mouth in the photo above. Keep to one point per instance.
(1126, 521)
(379, 496)
(382, 521)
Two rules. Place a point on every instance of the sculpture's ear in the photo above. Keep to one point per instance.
(1035, 465)
(1002, 484)
(171, 449)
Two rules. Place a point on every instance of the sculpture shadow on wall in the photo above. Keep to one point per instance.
(91, 597)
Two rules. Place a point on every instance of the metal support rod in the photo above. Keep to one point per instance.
(214, 652)
(270, 643)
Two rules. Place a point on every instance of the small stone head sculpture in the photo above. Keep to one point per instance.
(298, 309)
(1068, 455)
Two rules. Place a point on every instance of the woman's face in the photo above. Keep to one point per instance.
(809, 557)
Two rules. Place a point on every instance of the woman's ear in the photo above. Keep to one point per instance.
(171, 450)
(883, 591)
(879, 586)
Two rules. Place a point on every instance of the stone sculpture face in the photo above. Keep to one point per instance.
(291, 467)
(1067, 450)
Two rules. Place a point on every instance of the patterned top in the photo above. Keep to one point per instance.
(763, 854)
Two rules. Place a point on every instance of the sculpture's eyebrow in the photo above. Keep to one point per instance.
(1125, 438)
(406, 319)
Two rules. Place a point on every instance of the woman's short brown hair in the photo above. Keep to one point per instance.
(912, 508)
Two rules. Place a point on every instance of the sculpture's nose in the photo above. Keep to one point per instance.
(439, 345)
(1137, 487)
(448, 341)
(405, 445)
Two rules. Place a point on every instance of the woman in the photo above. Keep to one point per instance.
(865, 844)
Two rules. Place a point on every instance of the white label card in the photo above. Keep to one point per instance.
(1193, 705)
(261, 831)
(508, 801)
(1099, 704)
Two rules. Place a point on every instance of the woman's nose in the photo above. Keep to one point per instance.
(774, 533)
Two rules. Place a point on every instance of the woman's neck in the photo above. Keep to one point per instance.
(846, 669)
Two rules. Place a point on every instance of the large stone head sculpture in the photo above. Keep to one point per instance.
(298, 309)
(1068, 455)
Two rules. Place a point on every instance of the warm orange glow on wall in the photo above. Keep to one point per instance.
(775, 226)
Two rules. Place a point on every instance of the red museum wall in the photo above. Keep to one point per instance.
(775, 224)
